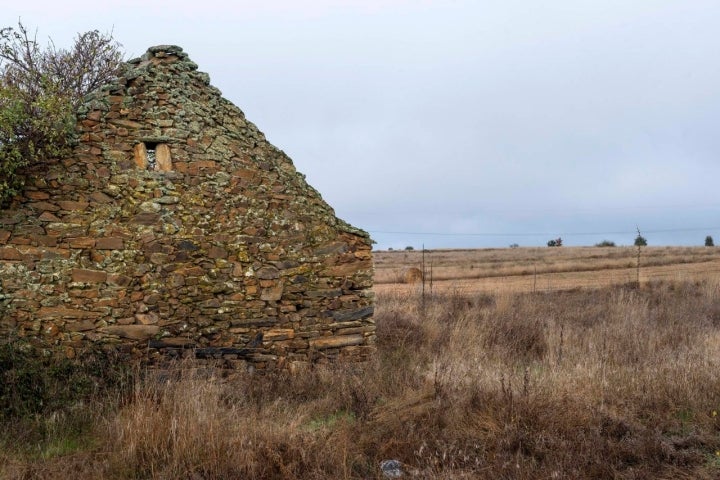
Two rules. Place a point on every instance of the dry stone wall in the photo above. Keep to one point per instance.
(176, 227)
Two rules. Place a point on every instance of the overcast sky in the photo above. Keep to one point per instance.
(462, 123)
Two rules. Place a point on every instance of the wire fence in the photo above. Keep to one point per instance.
(556, 281)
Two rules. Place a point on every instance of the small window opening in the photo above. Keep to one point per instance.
(150, 148)
(153, 156)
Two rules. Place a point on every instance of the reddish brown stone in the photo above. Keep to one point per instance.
(100, 197)
(4, 236)
(107, 302)
(16, 240)
(272, 294)
(88, 276)
(37, 195)
(92, 293)
(205, 164)
(140, 156)
(146, 318)
(244, 173)
(267, 273)
(176, 281)
(134, 332)
(336, 341)
(73, 206)
(119, 280)
(346, 269)
(126, 123)
(363, 255)
(62, 312)
(109, 243)
(145, 219)
(9, 253)
(173, 342)
(277, 334)
(48, 217)
(217, 252)
(238, 270)
(45, 240)
(120, 232)
(162, 156)
(81, 242)
(11, 218)
(56, 253)
(44, 206)
(65, 230)
(98, 256)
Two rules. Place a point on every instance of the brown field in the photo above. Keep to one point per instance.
(488, 381)
(542, 269)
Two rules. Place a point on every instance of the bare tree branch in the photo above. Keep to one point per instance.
(40, 91)
(92, 61)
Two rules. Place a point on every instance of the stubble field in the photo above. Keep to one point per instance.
(497, 373)
(542, 269)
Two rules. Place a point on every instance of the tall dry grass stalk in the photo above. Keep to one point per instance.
(614, 383)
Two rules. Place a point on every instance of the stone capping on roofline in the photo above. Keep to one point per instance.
(163, 50)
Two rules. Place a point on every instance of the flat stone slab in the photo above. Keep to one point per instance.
(336, 341)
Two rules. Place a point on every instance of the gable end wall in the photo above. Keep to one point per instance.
(226, 254)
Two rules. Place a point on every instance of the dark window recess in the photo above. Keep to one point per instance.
(151, 159)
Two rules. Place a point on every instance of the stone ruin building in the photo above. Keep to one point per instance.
(175, 228)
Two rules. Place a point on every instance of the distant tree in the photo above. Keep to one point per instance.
(40, 91)
(557, 242)
(409, 248)
(514, 245)
(605, 243)
(709, 241)
(640, 241)
(390, 249)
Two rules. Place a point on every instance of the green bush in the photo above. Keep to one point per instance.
(605, 243)
(556, 242)
(709, 241)
(31, 130)
(32, 384)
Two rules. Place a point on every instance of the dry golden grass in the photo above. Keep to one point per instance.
(619, 382)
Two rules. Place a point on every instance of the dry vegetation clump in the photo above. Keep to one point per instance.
(412, 275)
(589, 384)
